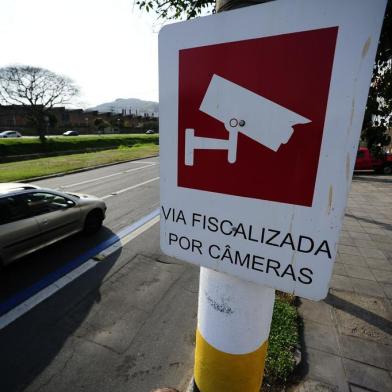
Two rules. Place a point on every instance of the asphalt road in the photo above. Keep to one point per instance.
(126, 325)
(123, 210)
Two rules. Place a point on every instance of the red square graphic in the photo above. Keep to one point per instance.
(292, 71)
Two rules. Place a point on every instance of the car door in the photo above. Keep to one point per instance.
(18, 230)
(57, 215)
(361, 163)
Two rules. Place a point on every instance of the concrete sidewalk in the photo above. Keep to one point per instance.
(347, 337)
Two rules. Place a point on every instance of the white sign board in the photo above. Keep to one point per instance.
(260, 114)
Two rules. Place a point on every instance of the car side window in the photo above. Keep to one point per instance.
(360, 154)
(13, 209)
(40, 203)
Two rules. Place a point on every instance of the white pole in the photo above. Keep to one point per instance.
(234, 318)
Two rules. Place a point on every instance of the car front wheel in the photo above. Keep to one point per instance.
(93, 222)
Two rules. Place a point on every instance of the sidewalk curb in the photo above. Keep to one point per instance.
(83, 169)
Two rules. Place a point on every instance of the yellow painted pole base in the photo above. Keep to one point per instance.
(216, 371)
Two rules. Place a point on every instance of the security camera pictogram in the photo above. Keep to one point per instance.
(241, 110)
(251, 115)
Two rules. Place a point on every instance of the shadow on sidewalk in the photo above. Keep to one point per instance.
(361, 313)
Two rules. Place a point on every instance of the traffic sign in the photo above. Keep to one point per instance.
(260, 114)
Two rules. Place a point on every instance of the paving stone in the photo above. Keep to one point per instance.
(354, 388)
(367, 376)
(362, 243)
(344, 234)
(352, 259)
(326, 368)
(385, 247)
(370, 252)
(368, 352)
(379, 264)
(353, 227)
(350, 220)
(369, 225)
(388, 290)
(316, 311)
(380, 238)
(314, 386)
(339, 269)
(339, 282)
(358, 309)
(350, 250)
(383, 276)
(371, 230)
(321, 337)
(367, 287)
(388, 255)
(362, 236)
(346, 241)
(356, 271)
(360, 316)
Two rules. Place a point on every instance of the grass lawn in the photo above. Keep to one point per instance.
(283, 338)
(23, 170)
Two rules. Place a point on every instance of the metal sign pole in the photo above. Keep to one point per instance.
(234, 318)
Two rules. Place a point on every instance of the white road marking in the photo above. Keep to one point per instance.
(115, 193)
(107, 176)
(36, 299)
(150, 162)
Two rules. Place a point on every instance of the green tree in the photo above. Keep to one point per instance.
(178, 9)
(38, 90)
(175, 9)
(378, 112)
(101, 124)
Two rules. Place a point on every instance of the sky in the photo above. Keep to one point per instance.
(108, 47)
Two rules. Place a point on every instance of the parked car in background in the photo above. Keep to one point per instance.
(71, 133)
(365, 161)
(7, 134)
(149, 132)
(32, 218)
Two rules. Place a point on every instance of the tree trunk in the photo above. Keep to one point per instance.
(226, 5)
(41, 135)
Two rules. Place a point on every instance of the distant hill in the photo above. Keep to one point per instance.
(127, 104)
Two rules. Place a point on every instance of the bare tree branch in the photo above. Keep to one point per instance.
(36, 89)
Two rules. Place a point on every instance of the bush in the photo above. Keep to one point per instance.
(27, 146)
